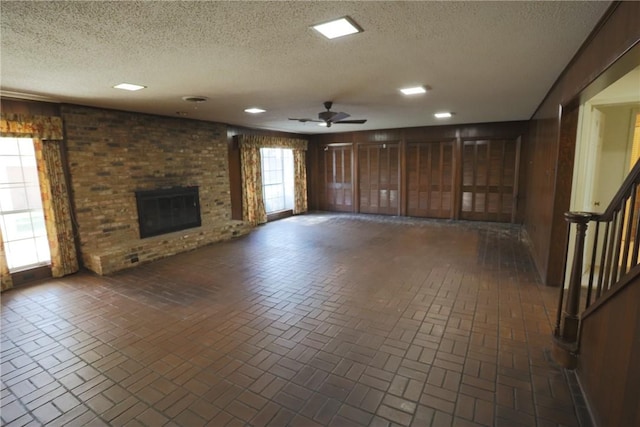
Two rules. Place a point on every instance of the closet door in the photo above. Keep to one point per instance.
(338, 178)
(430, 179)
(379, 178)
(490, 180)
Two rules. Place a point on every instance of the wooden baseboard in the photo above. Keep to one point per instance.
(30, 275)
(564, 354)
(279, 215)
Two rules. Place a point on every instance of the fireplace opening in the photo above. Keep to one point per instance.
(167, 210)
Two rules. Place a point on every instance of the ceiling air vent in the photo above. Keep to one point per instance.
(195, 99)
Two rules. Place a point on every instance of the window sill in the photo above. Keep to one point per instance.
(274, 216)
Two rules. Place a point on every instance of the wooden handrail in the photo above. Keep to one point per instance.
(625, 188)
(616, 245)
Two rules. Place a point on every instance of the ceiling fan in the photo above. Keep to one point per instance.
(330, 117)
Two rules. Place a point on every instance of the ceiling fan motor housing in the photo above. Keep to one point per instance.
(326, 115)
(329, 117)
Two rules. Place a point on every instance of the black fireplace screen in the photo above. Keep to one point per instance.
(164, 211)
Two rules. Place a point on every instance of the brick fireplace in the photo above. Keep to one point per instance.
(114, 154)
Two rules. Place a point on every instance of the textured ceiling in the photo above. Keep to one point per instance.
(485, 61)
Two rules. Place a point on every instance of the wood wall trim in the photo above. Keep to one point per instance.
(354, 178)
(562, 197)
(614, 35)
(516, 186)
(608, 53)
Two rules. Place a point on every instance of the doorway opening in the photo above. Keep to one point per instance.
(607, 148)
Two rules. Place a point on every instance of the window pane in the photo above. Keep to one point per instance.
(34, 198)
(42, 247)
(10, 169)
(273, 191)
(21, 214)
(277, 178)
(17, 226)
(37, 222)
(30, 173)
(21, 253)
(9, 146)
(12, 199)
(26, 147)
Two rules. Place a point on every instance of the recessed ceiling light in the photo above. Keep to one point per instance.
(413, 90)
(338, 28)
(443, 115)
(128, 86)
(254, 110)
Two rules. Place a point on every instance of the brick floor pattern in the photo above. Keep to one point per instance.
(315, 320)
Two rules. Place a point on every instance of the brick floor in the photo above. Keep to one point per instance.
(322, 319)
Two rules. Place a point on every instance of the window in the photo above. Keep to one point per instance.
(21, 214)
(277, 179)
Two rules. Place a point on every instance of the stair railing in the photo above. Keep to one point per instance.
(614, 253)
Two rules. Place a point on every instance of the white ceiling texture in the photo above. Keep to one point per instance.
(484, 61)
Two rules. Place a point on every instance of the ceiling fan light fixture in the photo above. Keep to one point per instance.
(129, 86)
(338, 28)
(443, 115)
(323, 124)
(415, 90)
(254, 110)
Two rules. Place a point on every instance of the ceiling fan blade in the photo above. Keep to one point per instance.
(306, 120)
(336, 117)
(329, 117)
(359, 121)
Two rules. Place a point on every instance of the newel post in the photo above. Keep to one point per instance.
(566, 333)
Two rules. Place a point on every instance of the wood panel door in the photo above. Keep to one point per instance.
(430, 179)
(490, 180)
(379, 178)
(338, 178)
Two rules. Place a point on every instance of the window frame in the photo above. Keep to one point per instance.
(278, 176)
(33, 206)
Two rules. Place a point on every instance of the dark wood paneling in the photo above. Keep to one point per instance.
(235, 180)
(337, 176)
(489, 180)
(413, 165)
(611, 51)
(563, 182)
(616, 33)
(608, 361)
(430, 179)
(379, 178)
(34, 108)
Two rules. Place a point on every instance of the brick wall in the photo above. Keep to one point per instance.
(112, 154)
